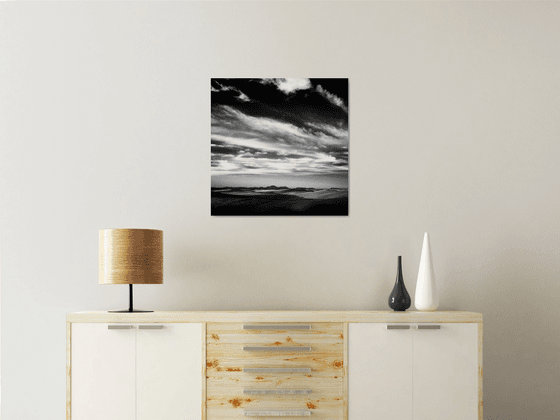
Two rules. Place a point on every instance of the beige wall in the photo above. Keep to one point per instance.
(455, 129)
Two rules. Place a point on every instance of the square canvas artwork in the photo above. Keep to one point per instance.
(279, 147)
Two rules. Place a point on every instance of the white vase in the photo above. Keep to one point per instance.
(426, 297)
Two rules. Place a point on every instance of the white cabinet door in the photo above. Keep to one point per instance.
(379, 372)
(445, 372)
(169, 371)
(103, 372)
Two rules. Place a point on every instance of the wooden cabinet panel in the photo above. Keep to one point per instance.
(379, 372)
(103, 372)
(169, 369)
(445, 372)
(235, 333)
(227, 380)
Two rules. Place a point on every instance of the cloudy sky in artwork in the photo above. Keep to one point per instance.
(279, 128)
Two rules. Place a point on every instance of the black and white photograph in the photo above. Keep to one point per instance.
(279, 147)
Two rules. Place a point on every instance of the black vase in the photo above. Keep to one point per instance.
(399, 299)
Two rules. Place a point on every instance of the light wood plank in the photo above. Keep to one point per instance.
(277, 391)
(277, 348)
(232, 406)
(277, 316)
(276, 370)
(221, 400)
(283, 327)
(227, 380)
(345, 371)
(220, 384)
(203, 371)
(480, 372)
(233, 332)
(278, 413)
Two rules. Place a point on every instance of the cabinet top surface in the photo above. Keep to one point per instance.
(276, 316)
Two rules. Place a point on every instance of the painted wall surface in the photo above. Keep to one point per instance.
(454, 130)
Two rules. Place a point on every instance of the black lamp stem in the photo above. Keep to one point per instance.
(130, 304)
(130, 308)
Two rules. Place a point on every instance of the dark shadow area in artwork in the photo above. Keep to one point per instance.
(279, 201)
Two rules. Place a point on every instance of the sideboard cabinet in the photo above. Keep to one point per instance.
(329, 365)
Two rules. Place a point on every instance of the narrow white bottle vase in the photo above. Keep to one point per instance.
(426, 297)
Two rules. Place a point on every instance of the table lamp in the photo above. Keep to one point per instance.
(130, 256)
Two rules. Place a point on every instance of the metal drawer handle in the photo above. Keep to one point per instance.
(150, 327)
(398, 327)
(120, 327)
(277, 327)
(277, 391)
(276, 370)
(429, 327)
(278, 413)
(277, 349)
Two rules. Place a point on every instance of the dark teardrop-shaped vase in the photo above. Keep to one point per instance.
(399, 299)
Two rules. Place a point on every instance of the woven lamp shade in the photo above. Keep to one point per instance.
(130, 256)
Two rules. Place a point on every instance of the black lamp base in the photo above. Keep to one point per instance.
(130, 308)
(124, 311)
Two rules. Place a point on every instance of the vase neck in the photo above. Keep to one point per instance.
(399, 269)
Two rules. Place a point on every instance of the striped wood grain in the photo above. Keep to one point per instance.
(277, 413)
(226, 381)
(203, 402)
(323, 405)
(277, 317)
(345, 367)
(480, 372)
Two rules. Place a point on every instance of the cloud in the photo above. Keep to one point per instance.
(258, 157)
(221, 88)
(264, 166)
(243, 97)
(269, 130)
(289, 85)
(278, 127)
(253, 143)
(329, 131)
(333, 99)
